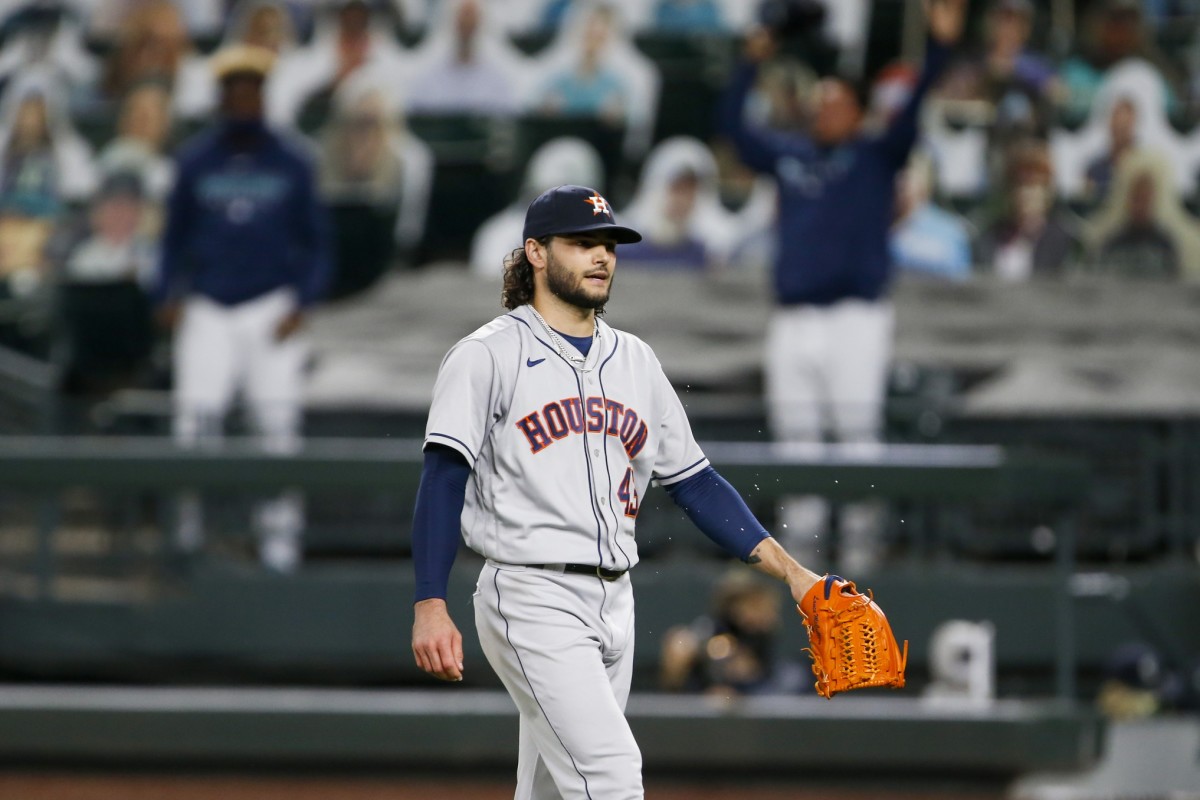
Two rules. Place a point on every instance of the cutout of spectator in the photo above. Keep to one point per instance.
(202, 18)
(116, 246)
(245, 257)
(565, 161)
(467, 66)
(105, 309)
(1113, 32)
(594, 68)
(590, 87)
(143, 133)
(927, 240)
(48, 37)
(1138, 82)
(351, 36)
(1140, 248)
(154, 44)
(1143, 230)
(43, 161)
(677, 209)
(1007, 88)
(377, 177)
(1032, 236)
(732, 650)
(1122, 140)
(260, 23)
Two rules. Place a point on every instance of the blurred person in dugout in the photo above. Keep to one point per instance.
(732, 649)
(245, 256)
(829, 339)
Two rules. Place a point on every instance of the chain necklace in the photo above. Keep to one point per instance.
(573, 356)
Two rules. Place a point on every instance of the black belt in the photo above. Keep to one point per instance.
(583, 569)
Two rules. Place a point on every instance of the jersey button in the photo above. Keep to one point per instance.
(596, 453)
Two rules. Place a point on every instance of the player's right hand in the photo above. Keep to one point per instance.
(436, 642)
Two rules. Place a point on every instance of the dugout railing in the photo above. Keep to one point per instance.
(134, 479)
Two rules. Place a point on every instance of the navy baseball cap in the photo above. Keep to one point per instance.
(573, 209)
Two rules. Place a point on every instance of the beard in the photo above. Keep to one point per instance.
(570, 289)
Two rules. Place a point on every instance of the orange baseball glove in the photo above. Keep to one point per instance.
(851, 644)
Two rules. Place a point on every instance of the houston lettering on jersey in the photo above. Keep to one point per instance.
(557, 420)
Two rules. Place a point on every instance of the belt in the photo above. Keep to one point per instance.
(583, 569)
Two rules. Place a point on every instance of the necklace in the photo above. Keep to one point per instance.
(573, 356)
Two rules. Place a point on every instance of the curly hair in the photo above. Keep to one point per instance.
(518, 279)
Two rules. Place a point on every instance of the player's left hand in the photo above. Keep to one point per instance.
(289, 325)
(946, 19)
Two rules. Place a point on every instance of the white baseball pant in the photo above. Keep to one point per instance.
(221, 351)
(562, 644)
(826, 373)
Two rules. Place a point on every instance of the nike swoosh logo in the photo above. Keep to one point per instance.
(529, 362)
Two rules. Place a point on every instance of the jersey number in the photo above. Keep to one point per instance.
(627, 494)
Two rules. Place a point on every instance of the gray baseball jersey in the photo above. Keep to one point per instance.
(560, 455)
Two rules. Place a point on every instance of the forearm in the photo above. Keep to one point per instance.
(757, 148)
(771, 559)
(318, 247)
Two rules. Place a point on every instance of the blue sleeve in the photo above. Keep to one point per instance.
(316, 258)
(719, 512)
(758, 148)
(181, 210)
(436, 526)
(901, 133)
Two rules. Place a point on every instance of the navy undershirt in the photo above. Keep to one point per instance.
(709, 500)
(716, 508)
(582, 343)
(436, 523)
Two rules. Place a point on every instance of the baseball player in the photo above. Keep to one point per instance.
(245, 254)
(829, 339)
(547, 426)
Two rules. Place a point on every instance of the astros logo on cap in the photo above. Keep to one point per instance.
(599, 205)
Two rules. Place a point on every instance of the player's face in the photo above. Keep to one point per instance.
(579, 269)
